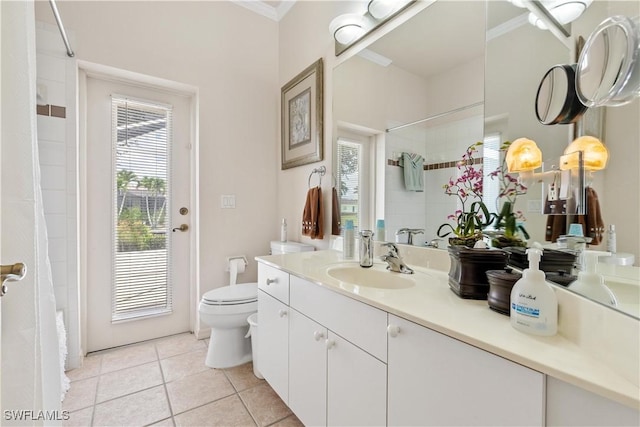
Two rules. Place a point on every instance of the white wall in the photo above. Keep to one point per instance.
(231, 55)
(303, 38)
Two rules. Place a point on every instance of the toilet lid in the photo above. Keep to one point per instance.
(236, 294)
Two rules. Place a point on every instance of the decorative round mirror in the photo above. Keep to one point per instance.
(608, 71)
(557, 101)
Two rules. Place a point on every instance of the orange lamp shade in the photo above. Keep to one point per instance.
(523, 155)
(595, 154)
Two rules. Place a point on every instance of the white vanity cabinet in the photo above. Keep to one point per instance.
(308, 370)
(332, 380)
(569, 406)
(356, 385)
(273, 329)
(438, 380)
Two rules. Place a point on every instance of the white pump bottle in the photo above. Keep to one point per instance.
(590, 283)
(534, 305)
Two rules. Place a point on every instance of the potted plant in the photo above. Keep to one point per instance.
(506, 222)
(473, 216)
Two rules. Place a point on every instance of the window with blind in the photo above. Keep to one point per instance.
(141, 137)
(349, 160)
(491, 162)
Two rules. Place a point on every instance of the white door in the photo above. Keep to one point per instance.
(138, 194)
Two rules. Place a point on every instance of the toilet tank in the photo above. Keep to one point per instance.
(287, 247)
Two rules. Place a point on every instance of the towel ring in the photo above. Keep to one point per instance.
(320, 171)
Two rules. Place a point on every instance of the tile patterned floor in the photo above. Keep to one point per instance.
(166, 383)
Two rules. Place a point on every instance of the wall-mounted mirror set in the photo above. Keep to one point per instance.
(493, 66)
(607, 74)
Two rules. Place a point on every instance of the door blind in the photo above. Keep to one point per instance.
(141, 137)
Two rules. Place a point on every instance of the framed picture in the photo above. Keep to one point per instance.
(302, 111)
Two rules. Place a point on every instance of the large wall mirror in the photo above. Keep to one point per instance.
(446, 79)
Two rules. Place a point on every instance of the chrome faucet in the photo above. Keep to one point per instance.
(410, 233)
(394, 260)
(433, 243)
(366, 249)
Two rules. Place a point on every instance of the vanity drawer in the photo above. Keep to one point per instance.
(359, 323)
(274, 282)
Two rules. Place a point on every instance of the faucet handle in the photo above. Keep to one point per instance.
(402, 231)
(392, 247)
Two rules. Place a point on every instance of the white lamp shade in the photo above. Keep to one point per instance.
(348, 28)
(564, 11)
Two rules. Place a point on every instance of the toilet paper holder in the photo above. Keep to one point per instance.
(231, 258)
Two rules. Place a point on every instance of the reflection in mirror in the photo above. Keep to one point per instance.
(438, 69)
(431, 72)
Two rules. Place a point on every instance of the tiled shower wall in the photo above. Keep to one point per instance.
(438, 145)
(58, 165)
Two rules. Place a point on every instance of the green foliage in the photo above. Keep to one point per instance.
(155, 187)
(134, 235)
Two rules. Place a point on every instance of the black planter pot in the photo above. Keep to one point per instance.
(467, 274)
(500, 285)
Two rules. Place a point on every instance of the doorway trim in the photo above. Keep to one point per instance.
(88, 69)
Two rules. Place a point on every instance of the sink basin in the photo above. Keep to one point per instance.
(375, 277)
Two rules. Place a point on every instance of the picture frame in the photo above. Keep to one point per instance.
(302, 110)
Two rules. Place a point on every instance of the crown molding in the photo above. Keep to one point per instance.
(261, 8)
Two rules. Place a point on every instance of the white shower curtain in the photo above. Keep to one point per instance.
(30, 361)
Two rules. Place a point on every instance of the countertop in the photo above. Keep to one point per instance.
(432, 304)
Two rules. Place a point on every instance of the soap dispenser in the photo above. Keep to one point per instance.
(590, 283)
(534, 306)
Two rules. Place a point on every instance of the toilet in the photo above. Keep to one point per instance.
(226, 310)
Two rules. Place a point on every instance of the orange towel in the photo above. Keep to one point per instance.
(313, 214)
(335, 212)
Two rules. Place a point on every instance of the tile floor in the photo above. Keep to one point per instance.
(165, 382)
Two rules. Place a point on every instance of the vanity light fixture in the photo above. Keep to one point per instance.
(524, 157)
(594, 154)
(564, 11)
(381, 9)
(348, 28)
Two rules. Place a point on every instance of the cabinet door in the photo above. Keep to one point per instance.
(568, 405)
(437, 380)
(307, 370)
(273, 343)
(356, 385)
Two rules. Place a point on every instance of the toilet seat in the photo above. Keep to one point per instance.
(243, 293)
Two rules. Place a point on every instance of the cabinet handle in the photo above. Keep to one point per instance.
(330, 344)
(317, 335)
(282, 313)
(393, 330)
(270, 281)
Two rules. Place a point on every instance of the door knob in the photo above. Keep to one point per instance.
(11, 273)
(317, 335)
(183, 227)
